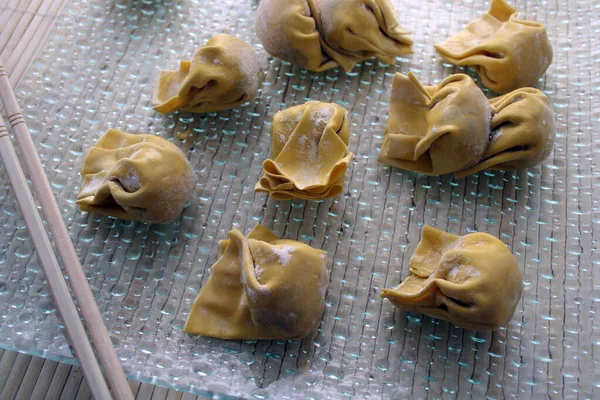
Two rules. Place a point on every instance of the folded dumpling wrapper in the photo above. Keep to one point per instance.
(322, 34)
(136, 177)
(506, 52)
(522, 132)
(309, 150)
(435, 130)
(472, 281)
(223, 74)
(262, 287)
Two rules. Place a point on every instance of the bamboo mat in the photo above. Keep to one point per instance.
(24, 27)
(24, 377)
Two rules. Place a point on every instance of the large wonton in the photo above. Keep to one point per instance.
(506, 52)
(522, 132)
(322, 34)
(261, 288)
(309, 150)
(136, 177)
(435, 130)
(472, 281)
(223, 74)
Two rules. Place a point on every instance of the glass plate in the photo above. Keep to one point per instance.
(97, 71)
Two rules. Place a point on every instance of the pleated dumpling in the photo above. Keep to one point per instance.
(522, 131)
(435, 130)
(136, 177)
(261, 288)
(322, 34)
(506, 52)
(287, 30)
(309, 152)
(223, 74)
(473, 281)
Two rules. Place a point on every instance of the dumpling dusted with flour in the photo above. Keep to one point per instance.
(506, 52)
(522, 132)
(223, 74)
(261, 287)
(309, 152)
(322, 34)
(136, 177)
(435, 130)
(473, 281)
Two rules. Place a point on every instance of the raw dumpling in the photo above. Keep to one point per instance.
(309, 150)
(322, 34)
(472, 281)
(223, 74)
(435, 130)
(522, 131)
(506, 52)
(261, 288)
(136, 177)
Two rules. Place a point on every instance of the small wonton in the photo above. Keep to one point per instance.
(322, 34)
(223, 74)
(506, 52)
(261, 287)
(309, 150)
(522, 132)
(435, 130)
(472, 281)
(136, 177)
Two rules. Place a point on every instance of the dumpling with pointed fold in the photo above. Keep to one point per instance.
(309, 152)
(223, 74)
(435, 130)
(522, 132)
(136, 177)
(506, 52)
(473, 281)
(261, 287)
(322, 34)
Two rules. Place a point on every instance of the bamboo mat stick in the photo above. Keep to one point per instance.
(56, 281)
(66, 250)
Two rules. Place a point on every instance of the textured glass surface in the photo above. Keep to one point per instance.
(97, 71)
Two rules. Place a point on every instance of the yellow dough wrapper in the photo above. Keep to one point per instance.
(223, 74)
(261, 287)
(136, 177)
(322, 34)
(435, 130)
(506, 52)
(522, 132)
(309, 152)
(472, 281)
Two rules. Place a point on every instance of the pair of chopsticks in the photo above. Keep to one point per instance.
(54, 275)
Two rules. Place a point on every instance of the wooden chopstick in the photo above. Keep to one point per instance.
(56, 281)
(66, 250)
